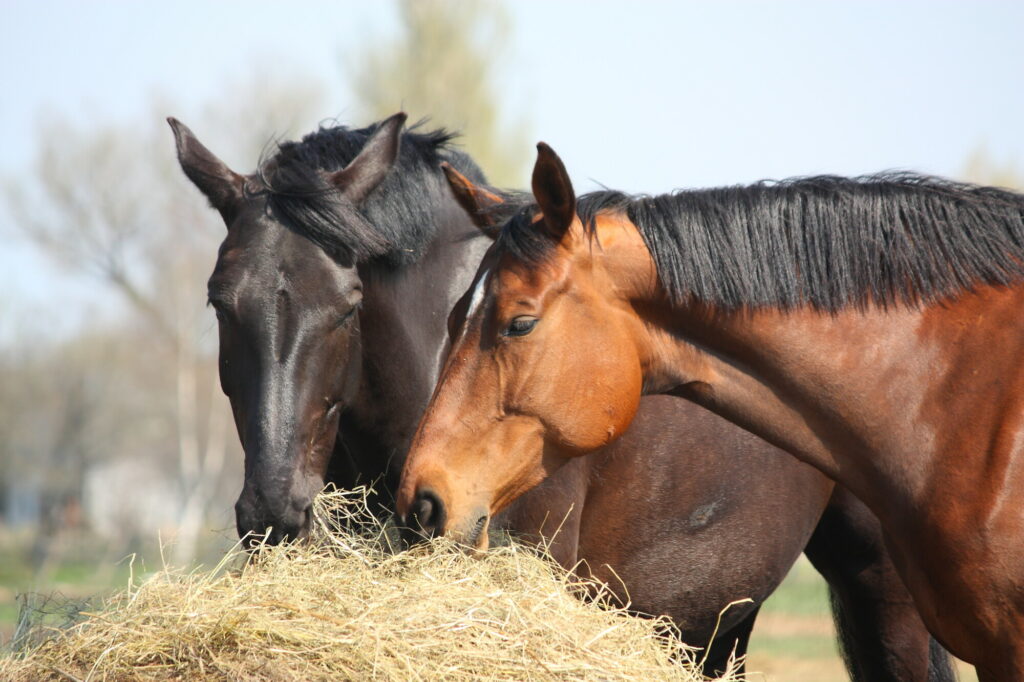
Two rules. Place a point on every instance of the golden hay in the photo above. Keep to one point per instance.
(344, 608)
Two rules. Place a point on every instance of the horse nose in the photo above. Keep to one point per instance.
(247, 520)
(257, 525)
(293, 526)
(427, 513)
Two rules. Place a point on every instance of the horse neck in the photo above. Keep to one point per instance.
(783, 375)
(404, 335)
(867, 396)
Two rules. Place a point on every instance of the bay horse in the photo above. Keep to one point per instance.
(872, 327)
(343, 256)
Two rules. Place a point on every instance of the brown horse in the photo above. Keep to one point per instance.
(872, 327)
(344, 254)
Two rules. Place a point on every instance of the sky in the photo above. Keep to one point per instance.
(639, 96)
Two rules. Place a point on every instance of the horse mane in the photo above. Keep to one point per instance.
(828, 242)
(389, 224)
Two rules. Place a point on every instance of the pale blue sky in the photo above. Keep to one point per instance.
(642, 96)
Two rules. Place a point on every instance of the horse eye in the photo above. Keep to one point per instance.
(348, 316)
(521, 326)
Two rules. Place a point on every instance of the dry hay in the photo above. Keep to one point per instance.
(345, 608)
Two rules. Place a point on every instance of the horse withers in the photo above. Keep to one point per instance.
(343, 256)
(869, 326)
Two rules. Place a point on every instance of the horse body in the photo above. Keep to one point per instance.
(916, 420)
(679, 536)
(902, 385)
(345, 341)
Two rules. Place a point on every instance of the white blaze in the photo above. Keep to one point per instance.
(478, 294)
(474, 301)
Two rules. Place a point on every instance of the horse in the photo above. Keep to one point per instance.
(869, 326)
(343, 256)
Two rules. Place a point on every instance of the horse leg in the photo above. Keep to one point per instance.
(881, 634)
(725, 644)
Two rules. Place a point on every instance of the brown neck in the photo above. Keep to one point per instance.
(803, 380)
(839, 391)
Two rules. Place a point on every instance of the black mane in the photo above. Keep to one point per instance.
(390, 223)
(829, 242)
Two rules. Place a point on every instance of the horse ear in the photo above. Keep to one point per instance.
(553, 191)
(375, 159)
(474, 199)
(221, 185)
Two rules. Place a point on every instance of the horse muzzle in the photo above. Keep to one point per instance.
(428, 516)
(290, 521)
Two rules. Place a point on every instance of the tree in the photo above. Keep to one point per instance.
(981, 168)
(442, 67)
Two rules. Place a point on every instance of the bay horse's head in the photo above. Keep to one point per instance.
(287, 316)
(542, 366)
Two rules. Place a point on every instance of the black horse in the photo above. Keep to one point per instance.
(344, 254)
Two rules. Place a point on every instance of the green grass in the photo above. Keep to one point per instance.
(803, 592)
(794, 646)
(9, 609)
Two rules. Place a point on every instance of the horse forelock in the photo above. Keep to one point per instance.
(392, 223)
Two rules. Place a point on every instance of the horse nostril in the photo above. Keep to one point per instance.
(423, 510)
(478, 528)
(427, 512)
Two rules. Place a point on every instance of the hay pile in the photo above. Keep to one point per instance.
(345, 608)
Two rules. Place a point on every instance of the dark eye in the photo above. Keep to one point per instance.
(521, 326)
(350, 315)
(346, 317)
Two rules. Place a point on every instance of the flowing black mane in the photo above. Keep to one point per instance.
(828, 242)
(390, 224)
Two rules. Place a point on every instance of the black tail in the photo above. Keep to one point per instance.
(868, 659)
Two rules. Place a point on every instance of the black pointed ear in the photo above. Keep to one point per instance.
(375, 159)
(475, 200)
(221, 185)
(553, 191)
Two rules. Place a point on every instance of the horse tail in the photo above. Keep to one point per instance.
(869, 658)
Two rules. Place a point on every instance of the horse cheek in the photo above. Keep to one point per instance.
(624, 401)
(611, 407)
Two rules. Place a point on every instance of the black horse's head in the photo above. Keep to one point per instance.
(287, 301)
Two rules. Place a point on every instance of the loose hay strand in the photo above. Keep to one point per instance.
(344, 606)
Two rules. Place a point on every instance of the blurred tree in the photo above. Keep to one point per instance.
(443, 66)
(111, 203)
(52, 408)
(982, 169)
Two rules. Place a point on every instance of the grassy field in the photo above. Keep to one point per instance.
(74, 572)
(794, 638)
